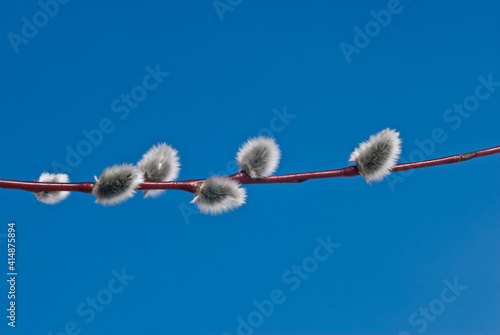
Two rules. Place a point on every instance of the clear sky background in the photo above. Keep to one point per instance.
(157, 266)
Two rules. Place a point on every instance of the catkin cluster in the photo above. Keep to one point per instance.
(258, 158)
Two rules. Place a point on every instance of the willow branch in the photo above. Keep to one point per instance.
(242, 178)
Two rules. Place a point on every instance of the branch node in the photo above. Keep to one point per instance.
(466, 157)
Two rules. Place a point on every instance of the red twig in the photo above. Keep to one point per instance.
(190, 185)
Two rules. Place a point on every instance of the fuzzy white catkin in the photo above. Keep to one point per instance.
(117, 184)
(160, 163)
(376, 157)
(219, 195)
(259, 157)
(52, 197)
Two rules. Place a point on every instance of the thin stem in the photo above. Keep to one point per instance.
(242, 178)
(35, 186)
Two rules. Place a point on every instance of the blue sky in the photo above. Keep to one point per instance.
(414, 254)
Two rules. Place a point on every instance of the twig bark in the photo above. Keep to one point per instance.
(242, 178)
